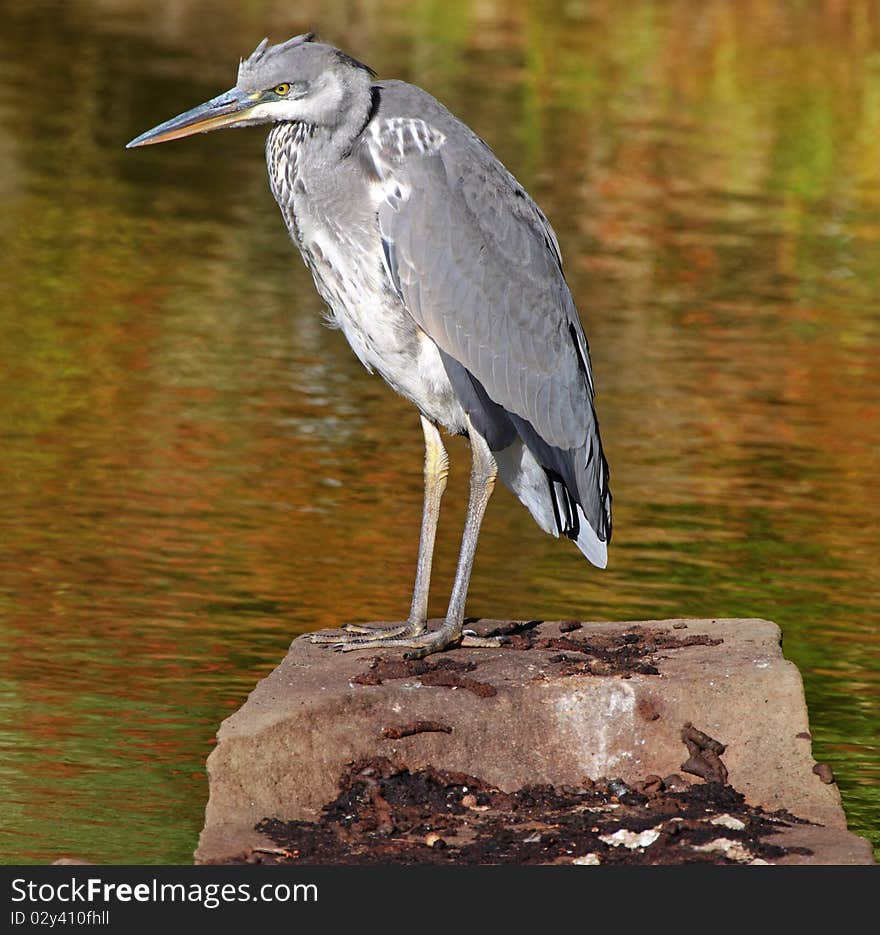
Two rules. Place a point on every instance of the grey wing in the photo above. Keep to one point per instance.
(478, 267)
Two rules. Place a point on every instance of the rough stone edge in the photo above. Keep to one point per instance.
(831, 845)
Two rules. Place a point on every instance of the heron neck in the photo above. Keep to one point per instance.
(355, 111)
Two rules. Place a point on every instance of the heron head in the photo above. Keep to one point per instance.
(298, 80)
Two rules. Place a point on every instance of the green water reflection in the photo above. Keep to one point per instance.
(194, 469)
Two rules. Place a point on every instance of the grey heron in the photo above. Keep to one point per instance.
(446, 278)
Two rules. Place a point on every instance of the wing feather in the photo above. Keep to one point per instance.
(478, 267)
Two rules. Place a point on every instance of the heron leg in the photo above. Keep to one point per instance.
(436, 473)
(484, 471)
(356, 636)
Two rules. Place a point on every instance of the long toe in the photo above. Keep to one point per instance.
(369, 636)
(439, 640)
(376, 630)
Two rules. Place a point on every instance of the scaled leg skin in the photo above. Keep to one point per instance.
(356, 636)
(483, 473)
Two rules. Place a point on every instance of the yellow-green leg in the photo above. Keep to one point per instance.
(413, 633)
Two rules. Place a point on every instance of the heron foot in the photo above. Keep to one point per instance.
(436, 642)
(413, 637)
(379, 631)
(357, 635)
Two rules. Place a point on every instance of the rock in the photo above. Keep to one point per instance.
(556, 705)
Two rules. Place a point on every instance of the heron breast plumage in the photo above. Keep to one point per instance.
(341, 245)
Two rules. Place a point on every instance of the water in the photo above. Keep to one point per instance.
(194, 469)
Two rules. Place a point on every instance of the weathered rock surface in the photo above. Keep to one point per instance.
(561, 702)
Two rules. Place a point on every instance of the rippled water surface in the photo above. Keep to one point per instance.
(194, 469)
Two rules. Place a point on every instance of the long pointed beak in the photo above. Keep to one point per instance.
(226, 110)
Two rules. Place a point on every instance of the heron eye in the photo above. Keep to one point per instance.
(282, 89)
